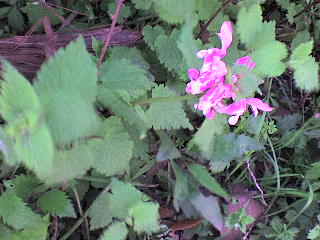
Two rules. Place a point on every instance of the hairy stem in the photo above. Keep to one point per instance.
(164, 99)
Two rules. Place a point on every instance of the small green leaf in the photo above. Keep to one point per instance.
(15, 20)
(22, 185)
(116, 231)
(142, 4)
(99, 214)
(124, 13)
(203, 177)
(56, 202)
(150, 35)
(302, 51)
(181, 189)
(314, 172)
(167, 149)
(300, 37)
(240, 219)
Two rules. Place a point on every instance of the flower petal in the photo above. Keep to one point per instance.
(225, 35)
(259, 104)
(202, 53)
(233, 120)
(193, 74)
(243, 60)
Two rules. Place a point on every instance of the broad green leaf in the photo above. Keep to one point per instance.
(314, 171)
(4, 11)
(22, 185)
(150, 35)
(174, 11)
(140, 146)
(68, 164)
(116, 231)
(266, 35)
(209, 208)
(99, 214)
(166, 115)
(283, 3)
(167, 149)
(142, 4)
(145, 217)
(124, 13)
(206, 8)
(268, 59)
(15, 19)
(168, 52)
(113, 153)
(67, 88)
(202, 175)
(8, 149)
(299, 38)
(5, 232)
(124, 196)
(249, 24)
(56, 202)
(123, 109)
(181, 189)
(16, 214)
(301, 52)
(292, 11)
(122, 74)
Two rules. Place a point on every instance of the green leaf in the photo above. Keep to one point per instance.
(166, 115)
(15, 20)
(123, 109)
(16, 214)
(314, 233)
(68, 164)
(142, 4)
(5, 233)
(299, 38)
(240, 219)
(268, 59)
(314, 172)
(249, 24)
(292, 11)
(145, 217)
(36, 12)
(140, 146)
(99, 214)
(168, 52)
(56, 202)
(167, 149)
(283, 3)
(67, 88)
(124, 13)
(209, 209)
(266, 35)
(22, 185)
(113, 153)
(116, 231)
(203, 177)
(4, 11)
(206, 8)
(124, 196)
(174, 11)
(122, 74)
(301, 52)
(150, 35)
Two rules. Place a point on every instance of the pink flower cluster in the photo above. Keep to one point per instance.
(212, 78)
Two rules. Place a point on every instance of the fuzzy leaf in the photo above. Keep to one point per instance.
(301, 52)
(249, 24)
(174, 11)
(205, 8)
(150, 35)
(299, 38)
(67, 88)
(142, 4)
(145, 217)
(124, 13)
(167, 149)
(203, 177)
(22, 185)
(314, 171)
(166, 115)
(16, 214)
(113, 153)
(116, 231)
(99, 214)
(15, 20)
(249, 84)
(268, 59)
(56, 202)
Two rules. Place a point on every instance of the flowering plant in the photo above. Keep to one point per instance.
(212, 77)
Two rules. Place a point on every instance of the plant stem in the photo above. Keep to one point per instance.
(164, 99)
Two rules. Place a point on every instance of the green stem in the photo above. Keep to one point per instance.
(164, 99)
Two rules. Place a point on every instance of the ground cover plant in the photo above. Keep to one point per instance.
(208, 128)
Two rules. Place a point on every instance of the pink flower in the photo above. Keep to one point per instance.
(225, 35)
(238, 108)
(245, 61)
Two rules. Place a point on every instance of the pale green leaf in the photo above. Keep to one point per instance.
(113, 153)
(206, 8)
(249, 24)
(124, 13)
(266, 35)
(268, 59)
(202, 175)
(16, 214)
(5, 233)
(99, 214)
(56, 202)
(299, 38)
(145, 217)
(140, 146)
(116, 231)
(174, 11)
(142, 4)
(167, 149)
(283, 3)
(22, 185)
(301, 52)
(166, 115)
(314, 171)
(292, 11)
(150, 35)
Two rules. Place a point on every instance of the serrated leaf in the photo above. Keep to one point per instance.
(205, 8)
(145, 217)
(142, 4)
(56, 202)
(292, 11)
(266, 35)
(301, 52)
(15, 20)
(8, 149)
(16, 214)
(124, 13)
(167, 149)
(268, 59)
(124, 196)
(249, 84)
(22, 185)
(123, 109)
(122, 74)
(249, 24)
(283, 3)
(113, 153)
(314, 171)
(67, 88)
(168, 52)
(174, 11)
(203, 177)
(209, 209)
(99, 214)
(150, 35)
(166, 115)
(68, 164)
(140, 146)
(299, 38)
(116, 231)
